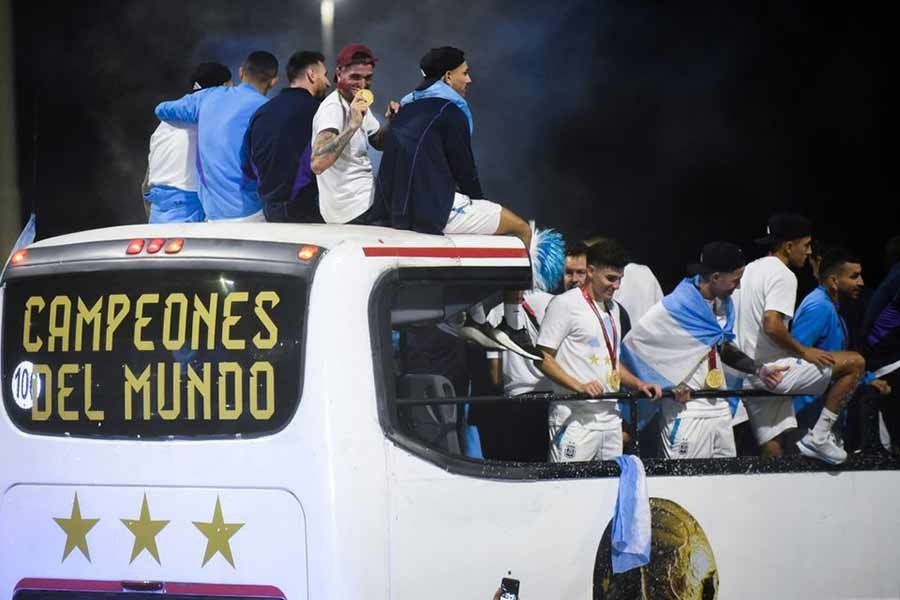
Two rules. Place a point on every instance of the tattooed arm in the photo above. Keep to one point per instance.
(329, 144)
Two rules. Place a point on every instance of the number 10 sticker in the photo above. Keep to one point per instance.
(21, 385)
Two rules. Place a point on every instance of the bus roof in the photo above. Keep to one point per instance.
(325, 236)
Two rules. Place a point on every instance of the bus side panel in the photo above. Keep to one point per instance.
(810, 535)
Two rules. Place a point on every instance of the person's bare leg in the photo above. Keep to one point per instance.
(848, 370)
(511, 223)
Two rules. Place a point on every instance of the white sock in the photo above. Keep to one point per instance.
(513, 316)
(824, 424)
(477, 313)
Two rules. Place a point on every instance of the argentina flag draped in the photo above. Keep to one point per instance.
(675, 335)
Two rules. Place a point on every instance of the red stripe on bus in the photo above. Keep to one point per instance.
(419, 252)
(184, 589)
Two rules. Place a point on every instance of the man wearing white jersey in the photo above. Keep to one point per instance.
(764, 307)
(343, 129)
(170, 186)
(639, 290)
(580, 341)
(683, 341)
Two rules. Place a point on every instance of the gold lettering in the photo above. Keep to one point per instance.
(92, 415)
(88, 316)
(177, 342)
(204, 386)
(258, 340)
(56, 330)
(262, 414)
(168, 414)
(208, 316)
(226, 413)
(140, 321)
(117, 307)
(37, 413)
(65, 391)
(229, 320)
(29, 345)
(137, 384)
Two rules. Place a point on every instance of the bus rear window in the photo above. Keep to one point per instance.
(153, 353)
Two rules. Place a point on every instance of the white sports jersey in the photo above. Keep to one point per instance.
(572, 328)
(767, 284)
(173, 156)
(638, 291)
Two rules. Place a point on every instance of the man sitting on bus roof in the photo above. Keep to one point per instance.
(428, 181)
(222, 115)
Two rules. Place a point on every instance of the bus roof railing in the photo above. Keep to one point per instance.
(538, 397)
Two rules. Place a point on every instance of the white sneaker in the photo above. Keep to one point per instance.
(825, 450)
(480, 334)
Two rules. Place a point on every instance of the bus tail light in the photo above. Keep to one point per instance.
(135, 247)
(155, 245)
(174, 246)
(307, 252)
(18, 257)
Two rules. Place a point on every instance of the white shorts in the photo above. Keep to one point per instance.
(690, 437)
(257, 217)
(575, 442)
(480, 217)
(769, 417)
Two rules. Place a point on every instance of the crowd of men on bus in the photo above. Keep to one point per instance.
(226, 152)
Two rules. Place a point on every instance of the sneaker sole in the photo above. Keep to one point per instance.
(809, 452)
(506, 341)
(475, 335)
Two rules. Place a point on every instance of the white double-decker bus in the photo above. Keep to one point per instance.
(214, 410)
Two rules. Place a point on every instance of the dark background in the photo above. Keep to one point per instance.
(662, 125)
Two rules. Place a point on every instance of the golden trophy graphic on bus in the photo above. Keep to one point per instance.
(681, 567)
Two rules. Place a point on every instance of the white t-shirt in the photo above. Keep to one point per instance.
(346, 187)
(572, 328)
(701, 408)
(173, 156)
(519, 373)
(767, 284)
(638, 291)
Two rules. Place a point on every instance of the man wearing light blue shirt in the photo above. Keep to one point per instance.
(818, 324)
(222, 115)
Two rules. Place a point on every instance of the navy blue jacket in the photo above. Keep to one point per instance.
(427, 158)
(278, 156)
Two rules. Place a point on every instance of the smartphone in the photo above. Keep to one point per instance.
(509, 589)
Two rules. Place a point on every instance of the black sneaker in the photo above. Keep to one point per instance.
(516, 340)
(480, 334)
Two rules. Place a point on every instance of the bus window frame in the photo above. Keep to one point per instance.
(385, 389)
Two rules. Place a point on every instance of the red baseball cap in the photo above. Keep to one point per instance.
(355, 54)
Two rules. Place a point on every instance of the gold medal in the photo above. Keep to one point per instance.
(366, 95)
(614, 381)
(715, 378)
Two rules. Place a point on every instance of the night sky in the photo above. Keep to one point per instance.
(662, 126)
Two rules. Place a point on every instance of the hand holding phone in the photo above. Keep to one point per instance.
(509, 589)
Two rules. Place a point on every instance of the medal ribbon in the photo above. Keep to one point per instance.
(610, 347)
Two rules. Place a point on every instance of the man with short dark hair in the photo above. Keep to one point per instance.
(580, 341)
(764, 307)
(575, 274)
(170, 186)
(683, 341)
(279, 143)
(222, 115)
(343, 129)
(818, 323)
(429, 183)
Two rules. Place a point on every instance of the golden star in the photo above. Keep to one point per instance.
(217, 533)
(144, 531)
(607, 361)
(76, 530)
(595, 360)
